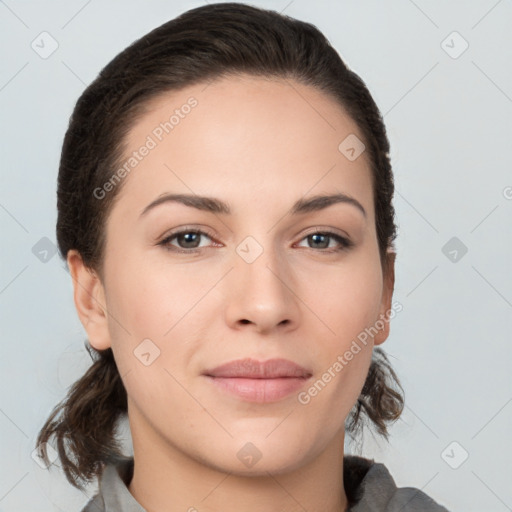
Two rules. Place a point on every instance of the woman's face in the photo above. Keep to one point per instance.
(256, 284)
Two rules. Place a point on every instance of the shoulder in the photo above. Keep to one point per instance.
(113, 494)
(95, 504)
(371, 488)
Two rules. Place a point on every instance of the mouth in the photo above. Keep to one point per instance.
(259, 382)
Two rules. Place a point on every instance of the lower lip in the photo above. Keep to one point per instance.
(259, 390)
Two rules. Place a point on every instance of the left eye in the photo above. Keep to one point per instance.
(188, 241)
(321, 237)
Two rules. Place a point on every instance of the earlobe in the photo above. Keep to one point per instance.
(89, 298)
(387, 297)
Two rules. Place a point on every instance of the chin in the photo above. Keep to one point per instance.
(256, 458)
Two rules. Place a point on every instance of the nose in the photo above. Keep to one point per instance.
(261, 294)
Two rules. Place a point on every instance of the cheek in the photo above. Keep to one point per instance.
(151, 299)
(157, 302)
(345, 299)
(343, 352)
(347, 302)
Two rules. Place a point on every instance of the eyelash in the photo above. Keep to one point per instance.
(345, 243)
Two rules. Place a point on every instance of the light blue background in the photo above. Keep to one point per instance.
(449, 121)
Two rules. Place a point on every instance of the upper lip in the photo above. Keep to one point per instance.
(252, 368)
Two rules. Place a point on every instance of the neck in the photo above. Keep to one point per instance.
(165, 477)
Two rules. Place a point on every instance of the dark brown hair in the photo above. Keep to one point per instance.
(200, 45)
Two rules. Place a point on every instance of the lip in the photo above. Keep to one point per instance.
(254, 369)
(260, 382)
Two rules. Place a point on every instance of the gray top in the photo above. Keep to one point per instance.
(368, 485)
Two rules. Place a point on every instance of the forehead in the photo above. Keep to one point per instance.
(245, 134)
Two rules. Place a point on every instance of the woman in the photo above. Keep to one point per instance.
(198, 173)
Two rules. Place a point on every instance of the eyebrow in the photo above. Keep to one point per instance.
(213, 205)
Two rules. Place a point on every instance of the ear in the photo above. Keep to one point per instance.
(387, 297)
(89, 297)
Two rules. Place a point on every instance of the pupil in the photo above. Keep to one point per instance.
(315, 237)
(189, 238)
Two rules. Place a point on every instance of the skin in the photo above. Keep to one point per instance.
(259, 145)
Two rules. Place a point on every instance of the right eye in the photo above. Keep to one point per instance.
(188, 240)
